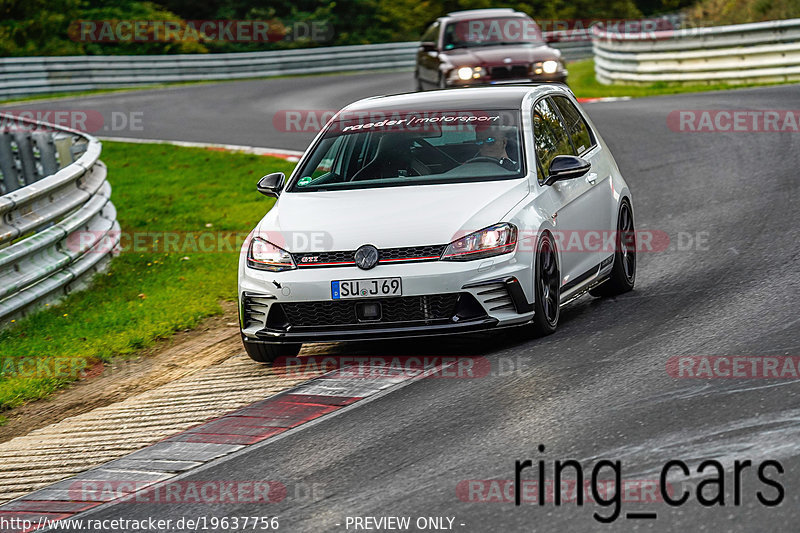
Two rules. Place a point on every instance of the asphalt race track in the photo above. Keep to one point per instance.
(597, 389)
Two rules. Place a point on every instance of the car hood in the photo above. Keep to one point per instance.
(388, 217)
(488, 56)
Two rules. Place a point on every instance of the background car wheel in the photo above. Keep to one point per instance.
(623, 273)
(418, 84)
(267, 353)
(547, 283)
(442, 83)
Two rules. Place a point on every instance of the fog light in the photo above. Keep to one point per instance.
(465, 73)
(550, 67)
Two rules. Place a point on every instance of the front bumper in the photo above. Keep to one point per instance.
(494, 288)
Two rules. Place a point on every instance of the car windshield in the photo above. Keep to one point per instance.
(413, 148)
(491, 31)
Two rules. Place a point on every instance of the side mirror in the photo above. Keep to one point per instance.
(428, 46)
(271, 184)
(566, 167)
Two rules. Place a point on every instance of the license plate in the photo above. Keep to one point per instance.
(366, 288)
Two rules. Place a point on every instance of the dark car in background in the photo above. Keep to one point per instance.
(485, 47)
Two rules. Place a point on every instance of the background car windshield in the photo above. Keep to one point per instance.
(491, 31)
(397, 149)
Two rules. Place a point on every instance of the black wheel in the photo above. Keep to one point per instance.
(547, 284)
(267, 353)
(623, 273)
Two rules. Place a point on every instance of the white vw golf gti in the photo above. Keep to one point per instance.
(437, 213)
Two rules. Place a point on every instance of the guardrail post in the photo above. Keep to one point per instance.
(9, 165)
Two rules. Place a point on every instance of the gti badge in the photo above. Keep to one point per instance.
(366, 257)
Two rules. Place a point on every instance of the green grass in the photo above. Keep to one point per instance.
(145, 295)
(583, 83)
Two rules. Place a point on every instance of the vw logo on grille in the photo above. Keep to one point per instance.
(366, 257)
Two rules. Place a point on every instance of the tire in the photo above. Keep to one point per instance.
(418, 84)
(442, 83)
(547, 287)
(267, 353)
(623, 273)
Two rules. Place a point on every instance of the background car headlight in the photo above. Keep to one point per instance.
(494, 240)
(550, 67)
(465, 73)
(263, 255)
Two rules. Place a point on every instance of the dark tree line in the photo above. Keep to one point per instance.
(41, 27)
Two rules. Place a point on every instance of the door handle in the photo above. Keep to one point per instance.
(591, 178)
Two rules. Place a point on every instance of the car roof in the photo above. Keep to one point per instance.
(466, 99)
(481, 13)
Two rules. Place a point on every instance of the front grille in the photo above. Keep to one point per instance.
(324, 259)
(386, 255)
(408, 310)
(411, 253)
(510, 72)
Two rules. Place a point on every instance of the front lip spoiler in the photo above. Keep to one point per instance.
(268, 336)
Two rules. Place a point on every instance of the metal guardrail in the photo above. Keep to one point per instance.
(57, 223)
(574, 50)
(742, 53)
(24, 76)
(36, 75)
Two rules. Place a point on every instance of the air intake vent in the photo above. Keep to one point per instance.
(495, 297)
(254, 309)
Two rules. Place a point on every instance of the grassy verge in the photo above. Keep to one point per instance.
(583, 83)
(195, 197)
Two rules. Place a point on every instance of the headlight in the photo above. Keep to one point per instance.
(494, 240)
(465, 73)
(549, 67)
(263, 255)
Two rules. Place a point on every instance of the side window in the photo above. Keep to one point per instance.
(576, 126)
(551, 137)
(431, 34)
